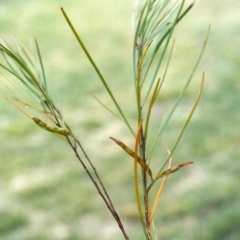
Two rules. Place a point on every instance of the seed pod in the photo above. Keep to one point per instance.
(53, 129)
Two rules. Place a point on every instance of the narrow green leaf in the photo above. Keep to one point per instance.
(97, 70)
(41, 65)
(169, 115)
(185, 125)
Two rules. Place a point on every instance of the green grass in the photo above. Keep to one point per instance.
(45, 193)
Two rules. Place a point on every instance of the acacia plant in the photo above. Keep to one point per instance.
(154, 22)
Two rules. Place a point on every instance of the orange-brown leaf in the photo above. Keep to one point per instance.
(131, 153)
(173, 169)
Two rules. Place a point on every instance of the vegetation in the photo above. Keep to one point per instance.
(53, 175)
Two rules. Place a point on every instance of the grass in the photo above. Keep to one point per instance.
(44, 192)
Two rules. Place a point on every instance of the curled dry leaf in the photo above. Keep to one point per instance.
(131, 153)
(172, 170)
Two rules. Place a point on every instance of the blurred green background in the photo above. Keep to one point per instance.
(44, 192)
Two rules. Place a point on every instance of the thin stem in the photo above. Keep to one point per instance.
(105, 196)
(136, 184)
(137, 192)
(146, 200)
